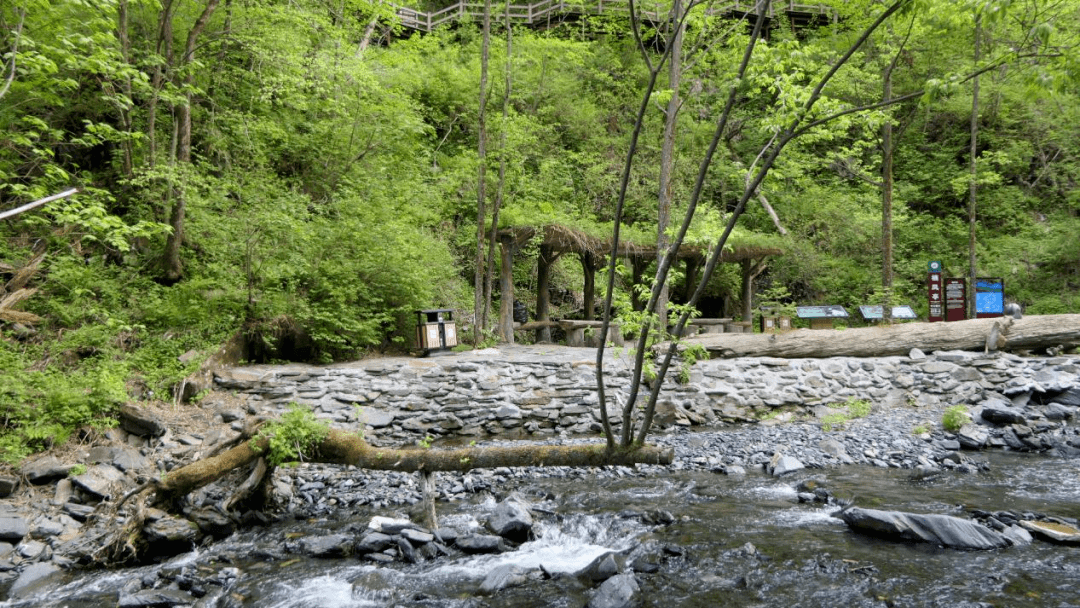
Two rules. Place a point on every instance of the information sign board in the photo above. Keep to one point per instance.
(935, 294)
(821, 312)
(989, 298)
(955, 299)
(898, 312)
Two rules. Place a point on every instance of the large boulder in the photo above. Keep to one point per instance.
(972, 436)
(944, 530)
(1000, 414)
(141, 422)
(619, 591)
(512, 520)
(13, 529)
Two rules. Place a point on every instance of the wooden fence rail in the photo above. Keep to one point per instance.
(543, 11)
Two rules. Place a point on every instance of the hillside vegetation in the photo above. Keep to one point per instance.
(295, 179)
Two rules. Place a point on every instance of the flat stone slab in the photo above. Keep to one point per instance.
(944, 530)
(1056, 532)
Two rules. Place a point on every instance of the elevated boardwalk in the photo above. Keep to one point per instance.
(547, 12)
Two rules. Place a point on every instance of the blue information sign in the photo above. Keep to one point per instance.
(989, 297)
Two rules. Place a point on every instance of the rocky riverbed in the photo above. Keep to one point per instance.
(48, 501)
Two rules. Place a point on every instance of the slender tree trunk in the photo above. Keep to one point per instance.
(887, 200)
(157, 79)
(481, 185)
(667, 155)
(501, 188)
(172, 264)
(506, 289)
(974, 185)
(127, 162)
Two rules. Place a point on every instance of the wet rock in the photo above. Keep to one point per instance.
(389, 525)
(502, 577)
(171, 529)
(373, 542)
(603, 567)
(46, 469)
(140, 422)
(13, 529)
(408, 551)
(620, 591)
(32, 579)
(156, 598)
(512, 520)
(943, 530)
(1018, 535)
(1059, 533)
(781, 465)
(329, 545)
(212, 522)
(417, 536)
(481, 543)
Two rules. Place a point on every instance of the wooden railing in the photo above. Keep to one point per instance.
(544, 10)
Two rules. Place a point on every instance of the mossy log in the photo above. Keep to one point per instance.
(1029, 333)
(340, 447)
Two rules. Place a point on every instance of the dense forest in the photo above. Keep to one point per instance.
(296, 178)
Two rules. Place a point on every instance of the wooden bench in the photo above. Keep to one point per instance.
(576, 334)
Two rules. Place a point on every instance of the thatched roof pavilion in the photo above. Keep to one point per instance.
(557, 240)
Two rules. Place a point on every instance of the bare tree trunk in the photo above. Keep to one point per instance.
(887, 199)
(506, 288)
(125, 107)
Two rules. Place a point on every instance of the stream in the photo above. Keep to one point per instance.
(735, 541)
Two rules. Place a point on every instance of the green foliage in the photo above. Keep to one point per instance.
(294, 436)
(77, 470)
(855, 408)
(955, 417)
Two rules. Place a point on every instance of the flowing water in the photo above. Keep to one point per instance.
(800, 554)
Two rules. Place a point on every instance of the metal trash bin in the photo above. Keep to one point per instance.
(435, 329)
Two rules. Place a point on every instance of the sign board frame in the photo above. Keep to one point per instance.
(989, 297)
(956, 299)
(874, 311)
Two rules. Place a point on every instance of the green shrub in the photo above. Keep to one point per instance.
(954, 418)
(292, 436)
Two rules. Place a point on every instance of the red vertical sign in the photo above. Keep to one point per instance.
(955, 299)
(935, 293)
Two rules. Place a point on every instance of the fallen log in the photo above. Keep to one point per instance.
(125, 543)
(1001, 333)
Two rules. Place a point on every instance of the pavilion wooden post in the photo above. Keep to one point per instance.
(690, 281)
(747, 291)
(543, 294)
(588, 269)
(507, 248)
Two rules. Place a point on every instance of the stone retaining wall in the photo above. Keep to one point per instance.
(536, 390)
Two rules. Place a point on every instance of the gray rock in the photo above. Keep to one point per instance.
(833, 448)
(373, 542)
(603, 567)
(1000, 414)
(1018, 535)
(943, 530)
(172, 530)
(376, 419)
(46, 469)
(408, 551)
(620, 591)
(100, 481)
(481, 543)
(502, 577)
(8, 483)
(13, 529)
(916, 355)
(780, 465)
(389, 525)
(158, 598)
(328, 545)
(416, 536)
(1070, 397)
(32, 579)
(512, 520)
(140, 422)
(972, 436)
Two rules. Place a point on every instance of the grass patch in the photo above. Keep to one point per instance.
(854, 408)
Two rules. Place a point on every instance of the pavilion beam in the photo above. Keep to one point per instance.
(691, 280)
